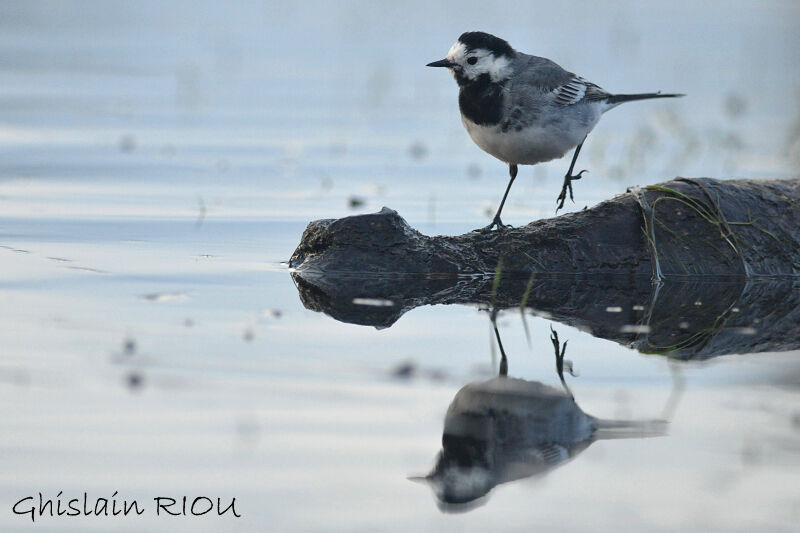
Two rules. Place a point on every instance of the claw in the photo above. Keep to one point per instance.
(563, 196)
(495, 223)
(567, 187)
(560, 362)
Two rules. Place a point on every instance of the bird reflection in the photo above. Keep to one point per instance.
(507, 428)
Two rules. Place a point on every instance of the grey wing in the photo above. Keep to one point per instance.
(576, 90)
(539, 75)
(539, 81)
(531, 88)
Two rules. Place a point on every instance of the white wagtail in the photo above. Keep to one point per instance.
(524, 109)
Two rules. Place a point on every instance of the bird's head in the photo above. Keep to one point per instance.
(476, 54)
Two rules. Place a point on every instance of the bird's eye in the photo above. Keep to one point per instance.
(472, 60)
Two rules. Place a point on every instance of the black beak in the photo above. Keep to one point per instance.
(441, 63)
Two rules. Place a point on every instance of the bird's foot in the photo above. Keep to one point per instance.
(496, 222)
(568, 179)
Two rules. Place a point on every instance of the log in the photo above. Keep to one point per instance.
(647, 256)
(685, 227)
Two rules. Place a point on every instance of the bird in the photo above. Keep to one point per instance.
(524, 109)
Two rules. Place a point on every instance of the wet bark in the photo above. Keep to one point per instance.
(681, 228)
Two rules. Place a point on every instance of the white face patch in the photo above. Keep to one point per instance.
(457, 53)
(463, 483)
(498, 68)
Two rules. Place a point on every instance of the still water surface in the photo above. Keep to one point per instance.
(158, 164)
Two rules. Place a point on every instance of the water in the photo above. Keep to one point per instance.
(158, 164)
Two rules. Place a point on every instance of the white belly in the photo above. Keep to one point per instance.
(531, 145)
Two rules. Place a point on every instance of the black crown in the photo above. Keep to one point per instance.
(478, 39)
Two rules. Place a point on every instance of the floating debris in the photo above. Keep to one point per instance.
(374, 302)
(161, 297)
(613, 309)
(638, 308)
(248, 335)
(222, 165)
(474, 171)
(88, 269)
(128, 346)
(187, 86)
(635, 328)
(744, 330)
(134, 381)
(437, 375)
(267, 314)
(16, 376)
(735, 105)
(541, 314)
(751, 454)
(417, 150)
(338, 148)
(127, 143)
(248, 430)
(201, 211)
(405, 370)
(355, 202)
(408, 370)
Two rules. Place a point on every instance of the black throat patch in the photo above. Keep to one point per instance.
(481, 100)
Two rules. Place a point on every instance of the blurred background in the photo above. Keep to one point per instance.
(159, 160)
(302, 110)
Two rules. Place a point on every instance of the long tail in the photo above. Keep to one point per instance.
(630, 429)
(616, 99)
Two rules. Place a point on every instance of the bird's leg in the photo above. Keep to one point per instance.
(560, 358)
(569, 178)
(512, 171)
(503, 359)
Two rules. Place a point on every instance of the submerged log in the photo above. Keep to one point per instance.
(685, 227)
